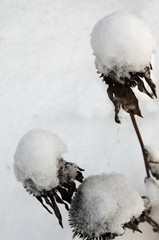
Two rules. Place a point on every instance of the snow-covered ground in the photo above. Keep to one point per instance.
(48, 80)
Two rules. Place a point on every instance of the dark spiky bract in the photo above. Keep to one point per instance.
(107, 236)
(120, 90)
(62, 193)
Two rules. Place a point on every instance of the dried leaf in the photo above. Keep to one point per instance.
(133, 227)
(41, 201)
(56, 210)
(81, 169)
(59, 200)
(115, 102)
(142, 87)
(64, 194)
(152, 86)
(123, 96)
(79, 177)
(130, 103)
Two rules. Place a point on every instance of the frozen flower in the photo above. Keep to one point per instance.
(153, 160)
(40, 167)
(103, 207)
(123, 45)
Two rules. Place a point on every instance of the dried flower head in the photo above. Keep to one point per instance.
(40, 167)
(103, 206)
(123, 58)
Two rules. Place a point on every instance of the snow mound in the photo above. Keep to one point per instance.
(103, 204)
(122, 43)
(153, 158)
(36, 159)
(153, 194)
(153, 153)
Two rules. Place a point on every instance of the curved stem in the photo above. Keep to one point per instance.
(141, 143)
(152, 223)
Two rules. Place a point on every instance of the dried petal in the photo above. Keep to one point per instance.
(64, 194)
(152, 86)
(59, 200)
(123, 96)
(142, 87)
(56, 210)
(41, 201)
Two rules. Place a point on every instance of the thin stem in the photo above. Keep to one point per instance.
(141, 143)
(152, 223)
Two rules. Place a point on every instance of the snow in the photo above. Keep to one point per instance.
(103, 204)
(122, 42)
(48, 81)
(153, 158)
(36, 159)
(153, 194)
(153, 153)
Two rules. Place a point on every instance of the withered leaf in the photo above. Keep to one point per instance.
(142, 87)
(79, 177)
(152, 86)
(133, 227)
(56, 210)
(156, 175)
(64, 194)
(115, 102)
(59, 200)
(123, 96)
(41, 201)
(130, 102)
(120, 90)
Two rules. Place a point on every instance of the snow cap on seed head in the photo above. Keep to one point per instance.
(36, 158)
(122, 42)
(123, 45)
(102, 206)
(40, 167)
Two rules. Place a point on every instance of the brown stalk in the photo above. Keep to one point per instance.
(152, 223)
(141, 143)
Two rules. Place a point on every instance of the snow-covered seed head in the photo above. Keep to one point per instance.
(123, 45)
(40, 167)
(102, 206)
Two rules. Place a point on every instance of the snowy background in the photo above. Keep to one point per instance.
(48, 80)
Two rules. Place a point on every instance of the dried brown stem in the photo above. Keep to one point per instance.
(141, 143)
(152, 223)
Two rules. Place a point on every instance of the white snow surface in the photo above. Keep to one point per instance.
(153, 194)
(122, 42)
(36, 159)
(103, 204)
